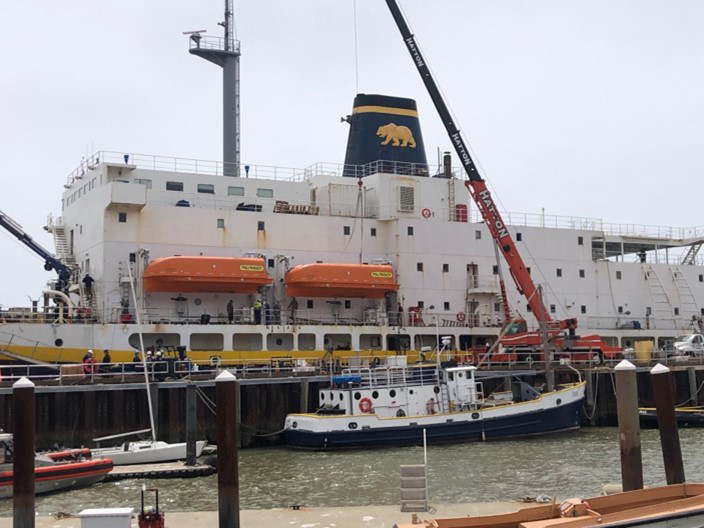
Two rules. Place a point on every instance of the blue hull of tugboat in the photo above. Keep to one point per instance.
(554, 420)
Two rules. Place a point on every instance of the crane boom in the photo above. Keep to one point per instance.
(50, 262)
(475, 184)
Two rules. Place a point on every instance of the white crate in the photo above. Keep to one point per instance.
(106, 518)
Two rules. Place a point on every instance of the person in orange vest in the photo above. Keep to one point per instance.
(89, 363)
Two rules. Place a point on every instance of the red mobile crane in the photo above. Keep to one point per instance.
(517, 338)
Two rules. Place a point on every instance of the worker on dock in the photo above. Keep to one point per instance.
(89, 363)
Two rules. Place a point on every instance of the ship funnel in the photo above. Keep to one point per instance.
(385, 136)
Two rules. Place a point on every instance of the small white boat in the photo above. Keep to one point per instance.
(146, 452)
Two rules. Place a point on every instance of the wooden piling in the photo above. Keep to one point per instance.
(305, 384)
(667, 424)
(191, 422)
(23, 455)
(629, 426)
(226, 399)
(692, 378)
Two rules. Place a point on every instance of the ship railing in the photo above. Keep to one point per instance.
(198, 41)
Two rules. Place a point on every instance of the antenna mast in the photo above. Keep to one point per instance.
(225, 52)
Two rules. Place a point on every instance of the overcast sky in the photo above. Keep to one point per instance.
(589, 108)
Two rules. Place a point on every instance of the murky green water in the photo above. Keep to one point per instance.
(574, 464)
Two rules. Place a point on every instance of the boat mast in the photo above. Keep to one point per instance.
(225, 52)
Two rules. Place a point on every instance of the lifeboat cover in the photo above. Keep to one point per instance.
(341, 280)
(206, 275)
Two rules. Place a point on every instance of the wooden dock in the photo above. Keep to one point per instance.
(159, 471)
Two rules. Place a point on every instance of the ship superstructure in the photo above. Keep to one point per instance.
(381, 255)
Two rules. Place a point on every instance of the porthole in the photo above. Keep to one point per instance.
(294, 425)
(375, 395)
(392, 393)
(410, 391)
(59, 342)
(559, 401)
(400, 413)
(279, 341)
(197, 302)
(475, 416)
(352, 425)
(341, 397)
(436, 390)
(357, 395)
(332, 396)
(322, 395)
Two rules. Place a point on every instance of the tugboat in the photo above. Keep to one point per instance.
(392, 404)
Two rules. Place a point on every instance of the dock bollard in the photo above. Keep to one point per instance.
(23, 430)
(191, 424)
(661, 378)
(228, 471)
(628, 426)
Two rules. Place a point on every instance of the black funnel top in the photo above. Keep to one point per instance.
(385, 129)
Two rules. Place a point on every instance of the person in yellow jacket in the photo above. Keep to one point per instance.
(257, 311)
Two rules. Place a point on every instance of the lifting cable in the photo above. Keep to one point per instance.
(356, 54)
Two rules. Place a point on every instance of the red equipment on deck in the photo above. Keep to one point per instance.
(151, 518)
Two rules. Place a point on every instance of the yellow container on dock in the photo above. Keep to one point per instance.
(644, 351)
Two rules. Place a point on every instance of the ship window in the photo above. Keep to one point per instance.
(478, 234)
(145, 182)
(528, 308)
(357, 395)
(419, 266)
(580, 241)
(446, 305)
(392, 393)
(265, 193)
(221, 223)
(421, 304)
(559, 272)
(372, 231)
(346, 230)
(552, 308)
(133, 257)
(122, 217)
(207, 188)
(309, 304)
(497, 307)
(410, 230)
(406, 202)
(618, 275)
(270, 263)
(620, 309)
(701, 311)
(519, 237)
(528, 270)
(495, 269)
(235, 191)
(375, 395)
(701, 278)
(677, 311)
(583, 309)
(59, 342)
(174, 186)
(581, 274)
(261, 226)
(348, 304)
(445, 268)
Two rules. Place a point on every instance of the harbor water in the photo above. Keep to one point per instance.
(573, 464)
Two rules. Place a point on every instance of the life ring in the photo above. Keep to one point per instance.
(365, 405)
(426, 212)
(460, 317)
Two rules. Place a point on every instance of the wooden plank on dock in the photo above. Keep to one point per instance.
(159, 471)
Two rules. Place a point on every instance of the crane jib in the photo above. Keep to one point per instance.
(485, 197)
(411, 43)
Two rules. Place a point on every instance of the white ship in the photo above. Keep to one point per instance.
(377, 256)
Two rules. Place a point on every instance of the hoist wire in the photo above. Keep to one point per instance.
(356, 51)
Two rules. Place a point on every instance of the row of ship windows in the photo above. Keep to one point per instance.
(209, 188)
(80, 192)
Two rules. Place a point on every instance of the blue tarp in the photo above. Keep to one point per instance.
(346, 379)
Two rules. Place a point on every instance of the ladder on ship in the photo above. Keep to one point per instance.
(691, 255)
(663, 312)
(689, 308)
(61, 246)
(451, 201)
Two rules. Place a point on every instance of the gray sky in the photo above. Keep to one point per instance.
(588, 108)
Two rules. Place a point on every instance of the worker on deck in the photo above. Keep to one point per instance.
(257, 311)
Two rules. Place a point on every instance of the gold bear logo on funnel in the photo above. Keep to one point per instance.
(400, 135)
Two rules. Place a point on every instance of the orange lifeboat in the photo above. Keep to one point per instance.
(340, 280)
(206, 275)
